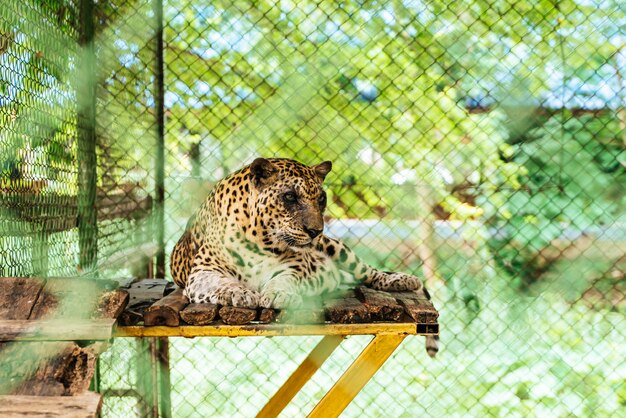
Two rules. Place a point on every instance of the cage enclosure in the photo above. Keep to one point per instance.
(478, 145)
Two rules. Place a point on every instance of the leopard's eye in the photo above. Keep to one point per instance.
(322, 199)
(290, 197)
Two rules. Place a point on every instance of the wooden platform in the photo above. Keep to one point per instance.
(157, 309)
(85, 405)
(32, 213)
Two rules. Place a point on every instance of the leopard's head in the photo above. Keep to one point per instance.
(287, 202)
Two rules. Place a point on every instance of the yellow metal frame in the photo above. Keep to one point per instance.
(268, 330)
(387, 337)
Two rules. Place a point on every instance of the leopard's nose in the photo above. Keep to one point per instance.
(312, 232)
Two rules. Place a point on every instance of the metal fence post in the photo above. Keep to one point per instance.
(147, 377)
(165, 400)
(163, 364)
(86, 123)
(160, 146)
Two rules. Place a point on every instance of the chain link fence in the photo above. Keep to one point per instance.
(479, 145)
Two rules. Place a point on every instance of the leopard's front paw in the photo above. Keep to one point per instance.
(279, 299)
(234, 295)
(395, 282)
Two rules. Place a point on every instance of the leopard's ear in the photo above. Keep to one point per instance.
(322, 169)
(262, 171)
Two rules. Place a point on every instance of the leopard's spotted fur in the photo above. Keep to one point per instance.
(257, 241)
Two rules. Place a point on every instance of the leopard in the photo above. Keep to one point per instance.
(257, 241)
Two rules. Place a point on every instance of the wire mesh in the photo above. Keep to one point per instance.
(478, 145)
(37, 156)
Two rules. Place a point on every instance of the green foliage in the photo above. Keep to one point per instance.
(257, 88)
(36, 107)
(573, 181)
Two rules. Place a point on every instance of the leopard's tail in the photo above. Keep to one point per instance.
(432, 345)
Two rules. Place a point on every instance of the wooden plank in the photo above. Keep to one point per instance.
(268, 330)
(69, 297)
(35, 212)
(421, 310)
(18, 295)
(166, 311)
(199, 313)
(357, 375)
(300, 376)
(124, 206)
(111, 304)
(56, 330)
(381, 306)
(237, 316)
(37, 207)
(346, 311)
(86, 405)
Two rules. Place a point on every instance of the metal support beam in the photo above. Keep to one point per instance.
(357, 375)
(300, 376)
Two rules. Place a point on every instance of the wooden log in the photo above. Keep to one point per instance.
(21, 363)
(86, 405)
(79, 372)
(130, 317)
(56, 330)
(133, 314)
(346, 311)
(421, 310)
(166, 311)
(18, 295)
(169, 288)
(47, 369)
(266, 315)
(199, 313)
(237, 316)
(380, 305)
(111, 304)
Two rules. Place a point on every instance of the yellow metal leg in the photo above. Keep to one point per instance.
(357, 375)
(303, 373)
